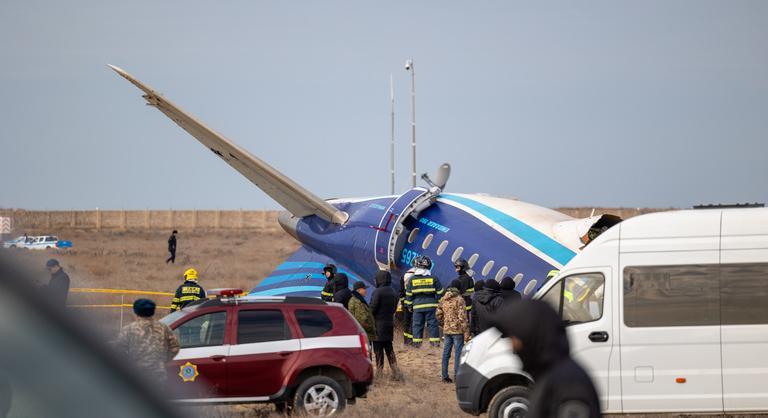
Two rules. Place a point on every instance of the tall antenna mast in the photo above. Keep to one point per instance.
(392, 133)
(409, 67)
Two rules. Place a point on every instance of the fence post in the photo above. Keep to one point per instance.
(122, 302)
(147, 223)
(48, 219)
(217, 219)
(98, 219)
(242, 219)
(194, 219)
(170, 218)
(73, 222)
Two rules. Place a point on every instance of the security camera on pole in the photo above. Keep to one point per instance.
(409, 67)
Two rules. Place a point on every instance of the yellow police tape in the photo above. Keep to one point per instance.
(128, 292)
(116, 292)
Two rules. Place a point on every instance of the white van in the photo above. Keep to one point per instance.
(667, 312)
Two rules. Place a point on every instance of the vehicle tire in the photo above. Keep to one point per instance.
(319, 396)
(13, 245)
(510, 402)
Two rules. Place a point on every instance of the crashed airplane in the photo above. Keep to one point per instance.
(498, 237)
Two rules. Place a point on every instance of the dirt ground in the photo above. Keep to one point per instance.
(135, 260)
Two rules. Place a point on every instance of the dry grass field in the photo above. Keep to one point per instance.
(136, 260)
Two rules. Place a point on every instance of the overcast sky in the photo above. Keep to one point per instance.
(614, 103)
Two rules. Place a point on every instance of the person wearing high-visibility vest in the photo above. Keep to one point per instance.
(329, 271)
(188, 292)
(405, 306)
(422, 293)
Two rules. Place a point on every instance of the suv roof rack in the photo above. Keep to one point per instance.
(730, 206)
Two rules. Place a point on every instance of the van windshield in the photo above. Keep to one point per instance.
(578, 298)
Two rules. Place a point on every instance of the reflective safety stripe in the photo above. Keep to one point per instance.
(568, 295)
(326, 294)
(434, 340)
(441, 291)
(418, 340)
(424, 290)
(469, 292)
(552, 273)
(469, 308)
(408, 335)
(188, 298)
(425, 305)
(408, 302)
(408, 294)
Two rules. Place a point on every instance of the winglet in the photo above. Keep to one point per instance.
(289, 194)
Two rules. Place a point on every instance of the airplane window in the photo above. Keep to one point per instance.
(412, 237)
(473, 259)
(518, 278)
(457, 253)
(501, 273)
(529, 287)
(487, 268)
(427, 241)
(442, 247)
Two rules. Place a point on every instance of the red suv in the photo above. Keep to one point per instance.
(296, 352)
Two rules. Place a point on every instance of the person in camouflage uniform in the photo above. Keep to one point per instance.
(451, 313)
(359, 308)
(147, 343)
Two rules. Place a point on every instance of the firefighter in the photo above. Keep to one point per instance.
(329, 271)
(407, 308)
(423, 291)
(188, 292)
(467, 288)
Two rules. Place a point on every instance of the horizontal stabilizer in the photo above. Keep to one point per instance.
(296, 199)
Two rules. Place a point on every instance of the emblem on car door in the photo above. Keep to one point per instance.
(188, 372)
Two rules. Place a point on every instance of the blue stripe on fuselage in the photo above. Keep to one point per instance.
(532, 236)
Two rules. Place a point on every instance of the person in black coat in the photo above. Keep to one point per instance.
(58, 286)
(562, 388)
(383, 307)
(486, 302)
(172, 248)
(508, 291)
(341, 293)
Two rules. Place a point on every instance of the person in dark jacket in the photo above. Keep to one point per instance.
(486, 302)
(58, 286)
(329, 271)
(508, 291)
(187, 292)
(479, 285)
(341, 293)
(467, 288)
(172, 248)
(407, 307)
(562, 388)
(383, 307)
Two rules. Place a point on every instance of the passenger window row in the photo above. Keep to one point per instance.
(486, 270)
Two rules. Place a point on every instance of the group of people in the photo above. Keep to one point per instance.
(462, 310)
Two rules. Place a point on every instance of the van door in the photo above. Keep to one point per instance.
(670, 334)
(744, 298)
(579, 297)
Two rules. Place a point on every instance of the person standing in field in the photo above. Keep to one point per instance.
(172, 248)
(383, 307)
(360, 309)
(58, 287)
(452, 314)
(148, 343)
(188, 292)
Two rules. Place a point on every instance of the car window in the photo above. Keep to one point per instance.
(202, 331)
(258, 326)
(313, 323)
(578, 298)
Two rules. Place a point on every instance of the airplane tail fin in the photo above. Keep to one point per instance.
(296, 199)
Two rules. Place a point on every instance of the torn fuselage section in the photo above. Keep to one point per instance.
(577, 233)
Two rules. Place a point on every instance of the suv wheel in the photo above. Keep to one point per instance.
(510, 402)
(319, 396)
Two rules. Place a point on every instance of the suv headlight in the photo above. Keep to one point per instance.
(465, 351)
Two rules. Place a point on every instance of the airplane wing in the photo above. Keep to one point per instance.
(300, 275)
(296, 199)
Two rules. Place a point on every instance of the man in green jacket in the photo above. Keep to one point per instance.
(359, 308)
